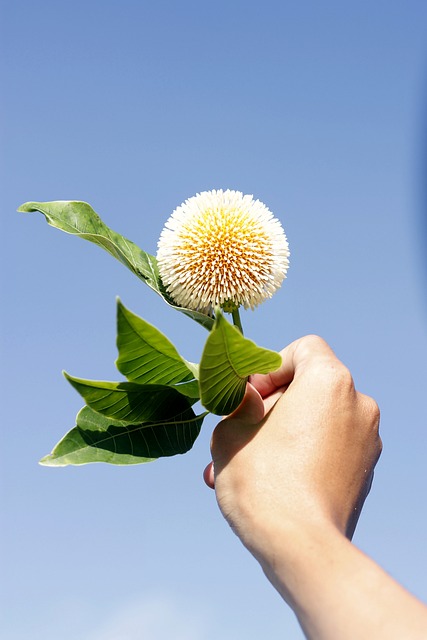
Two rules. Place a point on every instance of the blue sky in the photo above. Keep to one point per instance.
(318, 109)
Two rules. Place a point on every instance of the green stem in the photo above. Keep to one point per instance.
(236, 320)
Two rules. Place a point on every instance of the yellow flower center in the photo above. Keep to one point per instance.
(224, 243)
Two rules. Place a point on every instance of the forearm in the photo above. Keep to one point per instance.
(338, 592)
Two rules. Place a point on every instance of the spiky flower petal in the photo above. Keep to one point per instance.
(222, 248)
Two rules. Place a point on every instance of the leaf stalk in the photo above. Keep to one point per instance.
(236, 319)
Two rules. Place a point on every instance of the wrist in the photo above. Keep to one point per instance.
(296, 551)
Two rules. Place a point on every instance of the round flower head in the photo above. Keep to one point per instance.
(222, 248)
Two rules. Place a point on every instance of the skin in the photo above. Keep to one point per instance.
(291, 469)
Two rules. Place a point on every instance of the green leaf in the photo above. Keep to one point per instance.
(78, 218)
(96, 438)
(131, 402)
(146, 356)
(189, 389)
(227, 360)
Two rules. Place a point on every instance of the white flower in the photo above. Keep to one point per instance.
(222, 248)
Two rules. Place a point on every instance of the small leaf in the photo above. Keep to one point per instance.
(78, 218)
(227, 360)
(146, 356)
(131, 402)
(96, 438)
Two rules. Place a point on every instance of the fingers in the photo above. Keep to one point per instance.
(261, 395)
(295, 357)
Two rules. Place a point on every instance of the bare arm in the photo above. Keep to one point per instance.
(293, 466)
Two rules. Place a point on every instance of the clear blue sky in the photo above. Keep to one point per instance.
(316, 108)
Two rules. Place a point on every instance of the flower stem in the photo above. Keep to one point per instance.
(236, 319)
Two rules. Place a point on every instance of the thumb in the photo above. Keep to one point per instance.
(251, 410)
(249, 413)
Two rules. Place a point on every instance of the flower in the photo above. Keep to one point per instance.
(222, 248)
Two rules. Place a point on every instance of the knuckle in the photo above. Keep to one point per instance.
(338, 376)
(372, 410)
(312, 342)
(379, 446)
(344, 377)
(324, 365)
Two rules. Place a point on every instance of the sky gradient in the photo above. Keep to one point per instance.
(318, 109)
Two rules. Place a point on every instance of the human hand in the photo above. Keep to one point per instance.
(292, 467)
(298, 452)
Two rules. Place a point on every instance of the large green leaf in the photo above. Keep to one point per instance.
(146, 356)
(96, 438)
(78, 218)
(131, 402)
(227, 360)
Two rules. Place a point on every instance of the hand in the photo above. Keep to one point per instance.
(291, 470)
(299, 451)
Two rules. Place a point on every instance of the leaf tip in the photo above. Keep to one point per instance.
(69, 378)
(27, 207)
(46, 461)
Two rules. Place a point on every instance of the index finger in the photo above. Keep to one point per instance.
(295, 358)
